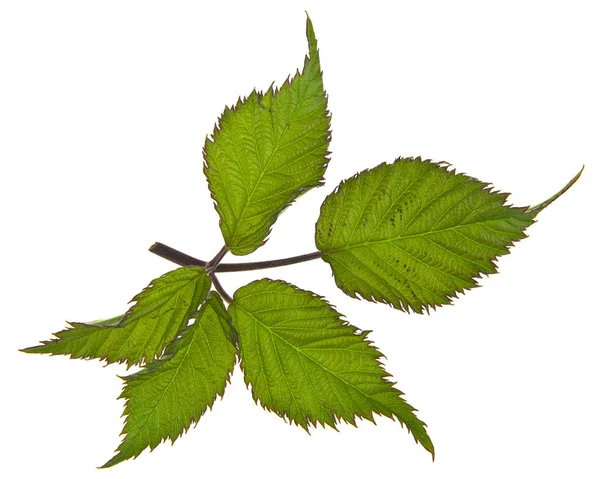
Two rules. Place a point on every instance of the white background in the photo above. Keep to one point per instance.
(104, 107)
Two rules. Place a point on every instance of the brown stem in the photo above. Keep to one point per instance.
(219, 287)
(183, 259)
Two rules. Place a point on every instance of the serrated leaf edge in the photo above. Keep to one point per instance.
(363, 334)
(484, 186)
(273, 90)
(150, 367)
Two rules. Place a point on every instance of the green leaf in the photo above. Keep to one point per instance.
(169, 395)
(266, 151)
(161, 310)
(413, 234)
(306, 364)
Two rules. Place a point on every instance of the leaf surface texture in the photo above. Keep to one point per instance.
(266, 151)
(170, 394)
(413, 234)
(307, 365)
(161, 310)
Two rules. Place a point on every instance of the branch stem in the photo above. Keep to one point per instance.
(211, 266)
(219, 287)
(183, 259)
(177, 257)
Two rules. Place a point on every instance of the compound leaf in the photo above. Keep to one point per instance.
(167, 396)
(161, 310)
(413, 234)
(306, 364)
(266, 151)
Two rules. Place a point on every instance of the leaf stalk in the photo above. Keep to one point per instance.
(182, 259)
(219, 287)
(211, 266)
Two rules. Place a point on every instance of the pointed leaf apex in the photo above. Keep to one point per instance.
(310, 35)
(116, 459)
(534, 210)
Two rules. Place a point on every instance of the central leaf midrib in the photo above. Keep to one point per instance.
(414, 235)
(162, 397)
(275, 149)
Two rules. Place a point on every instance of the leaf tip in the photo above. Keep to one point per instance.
(30, 349)
(116, 459)
(426, 442)
(534, 210)
(310, 35)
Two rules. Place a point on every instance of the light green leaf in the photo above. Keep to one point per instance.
(306, 364)
(266, 151)
(161, 310)
(169, 395)
(413, 234)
